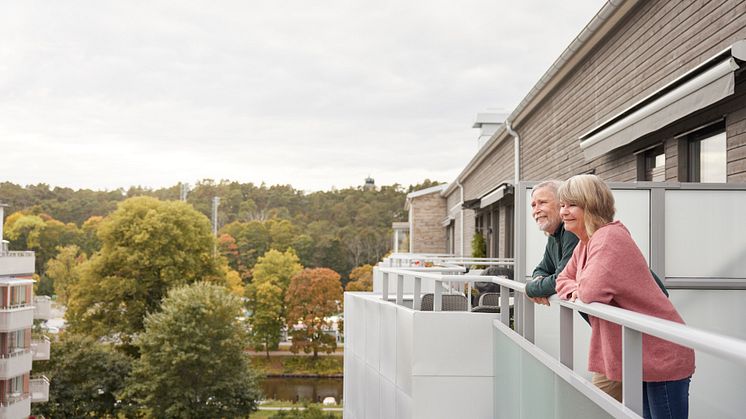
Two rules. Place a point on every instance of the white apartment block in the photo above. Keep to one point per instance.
(18, 348)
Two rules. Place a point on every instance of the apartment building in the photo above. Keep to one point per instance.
(18, 347)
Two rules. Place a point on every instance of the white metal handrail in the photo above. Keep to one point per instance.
(633, 326)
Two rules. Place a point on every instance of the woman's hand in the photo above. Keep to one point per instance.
(573, 296)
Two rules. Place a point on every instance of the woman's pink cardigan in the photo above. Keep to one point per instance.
(609, 268)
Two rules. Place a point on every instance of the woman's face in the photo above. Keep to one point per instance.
(574, 218)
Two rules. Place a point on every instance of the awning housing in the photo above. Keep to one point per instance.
(703, 86)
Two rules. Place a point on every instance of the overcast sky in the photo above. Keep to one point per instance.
(314, 94)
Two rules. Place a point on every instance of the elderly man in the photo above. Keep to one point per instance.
(560, 243)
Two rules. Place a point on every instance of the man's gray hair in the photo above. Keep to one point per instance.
(551, 184)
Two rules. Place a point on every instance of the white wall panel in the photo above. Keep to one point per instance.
(372, 393)
(372, 347)
(439, 335)
(404, 334)
(388, 342)
(453, 397)
(388, 399)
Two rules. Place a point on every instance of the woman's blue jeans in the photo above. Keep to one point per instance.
(666, 399)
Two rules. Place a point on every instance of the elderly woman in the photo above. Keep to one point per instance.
(608, 267)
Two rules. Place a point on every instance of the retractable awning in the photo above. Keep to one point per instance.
(703, 86)
(495, 195)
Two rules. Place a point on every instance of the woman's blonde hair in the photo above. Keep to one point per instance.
(590, 193)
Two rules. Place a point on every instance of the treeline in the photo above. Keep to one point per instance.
(338, 229)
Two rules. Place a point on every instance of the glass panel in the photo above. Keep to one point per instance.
(712, 219)
(712, 161)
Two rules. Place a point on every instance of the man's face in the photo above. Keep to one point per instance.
(545, 210)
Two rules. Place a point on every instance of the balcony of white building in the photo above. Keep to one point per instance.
(15, 363)
(16, 317)
(529, 361)
(39, 387)
(16, 263)
(40, 348)
(42, 307)
(16, 407)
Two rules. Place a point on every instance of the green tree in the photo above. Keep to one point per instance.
(277, 267)
(266, 305)
(193, 363)
(478, 246)
(85, 377)
(148, 247)
(313, 296)
(63, 270)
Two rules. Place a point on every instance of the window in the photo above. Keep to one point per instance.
(651, 164)
(703, 155)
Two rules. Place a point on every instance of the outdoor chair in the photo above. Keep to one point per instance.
(489, 302)
(451, 302)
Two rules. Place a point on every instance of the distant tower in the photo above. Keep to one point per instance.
(370, 184)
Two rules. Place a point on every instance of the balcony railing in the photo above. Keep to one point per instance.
(517, 359)
(20, 316)
(41, 349)
(15, 363)
(17, 263)
(42, 307)
(16, 406)
(39, 387)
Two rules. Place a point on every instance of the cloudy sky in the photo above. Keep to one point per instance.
(314, 94)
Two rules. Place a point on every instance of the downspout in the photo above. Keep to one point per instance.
(461, 212)
(516, 177)
(411, 225)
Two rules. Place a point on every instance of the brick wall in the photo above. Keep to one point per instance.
(429, 235)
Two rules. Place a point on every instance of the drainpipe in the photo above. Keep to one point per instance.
(516, 152)
(411, 226)
(461, 212)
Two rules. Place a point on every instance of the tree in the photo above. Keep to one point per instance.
(63, 270)
(313, 295)
(361, 279)
(278, 267)
(192, 362)
(266, 303)
(148, 247)
(85, 377)
(478, 246)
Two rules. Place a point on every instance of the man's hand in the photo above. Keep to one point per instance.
(540, 300)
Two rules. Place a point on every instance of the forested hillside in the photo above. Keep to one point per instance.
(338, 229)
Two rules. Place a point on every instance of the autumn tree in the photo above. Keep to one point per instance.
(148, 247)
(361, 279)
(192, 362)
(313, 296)
(85, 379)
(64, 270)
